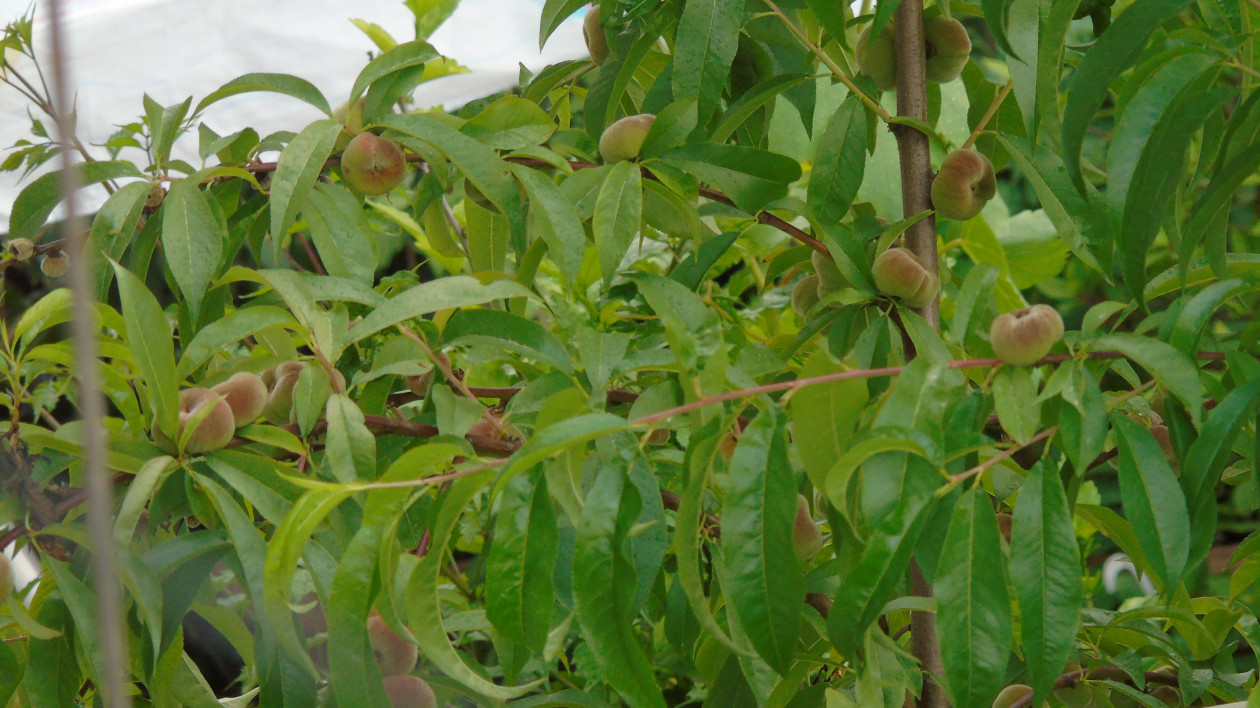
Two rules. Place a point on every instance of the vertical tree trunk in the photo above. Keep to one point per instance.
(916, 183)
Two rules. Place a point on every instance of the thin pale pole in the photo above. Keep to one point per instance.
(113, 641)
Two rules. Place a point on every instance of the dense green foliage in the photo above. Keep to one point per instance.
(553, 415)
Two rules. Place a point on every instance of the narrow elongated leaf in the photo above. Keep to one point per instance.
(152, 347)
(52, 678)
(488, 237)
(1153, 501)
(405, 55)
(1046, 563)
(1196, 314)
(520, 593)
(973, 603)
(350, 448)
(1206, 459)
(839, 164)
(1114, 52)
(300, 164)
(38, 199)
(824, 416)
(708, 35)
(753, 99)
(1015, 398)
(286, 84)
(554, 12)
(603, 586)
(504, 330)
(553, 218)
(228, 330)
(764, 581)
(433, 296)
(113, 228)
(751, 177)
(618, 211)
(340, 232)
(192, 240)
(1171, 368)
(995, 13)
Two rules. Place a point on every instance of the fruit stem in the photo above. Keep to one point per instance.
(988, 115)
(826, 60)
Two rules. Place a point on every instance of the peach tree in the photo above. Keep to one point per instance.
(779, 355)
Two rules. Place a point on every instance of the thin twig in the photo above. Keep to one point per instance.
(440, 361)
(988, 115)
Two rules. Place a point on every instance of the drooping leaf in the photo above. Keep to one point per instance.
(1153, 501)
(708, 35)
(286, 84)
(153, 349)
(617, 214)
(300, 164)
(520, 595)
(840, 163)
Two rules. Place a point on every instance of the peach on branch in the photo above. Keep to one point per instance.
(877, 57)
(948, 48)
(1012, 693)
(898, 272)
(593, 33)
(211, 420)
(830, 279)
(964, 184)
(409, 692)
(279, 408)
(21, 249)
(623, 139)
(1025, 335)
(372, 165)
(805, 295)
(55, 265)
(806, 537)
(394, 654)
(246, 395)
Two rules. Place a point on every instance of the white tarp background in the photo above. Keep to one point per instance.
(173, 49)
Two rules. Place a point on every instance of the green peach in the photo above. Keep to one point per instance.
(1024, 336)
(371, 165)
(623, 139)
(964, 184)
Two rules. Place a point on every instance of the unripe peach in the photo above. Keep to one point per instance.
(623, 140)
(279, 408)
(805, 295)
(419, 385)
(806, 537)
(409, 692)
(157, 194)
(6, 577)
(596, 40)
(1005, 523)
(350, 115)
(215, 428)
(21, 249)
(394, 654)
(964, 184)
(660, 436)
(246, 395)
(1025, 336)
(900, 273)
(55, 265)
(372, 165)
(1010, 694)
(877, 58)
(830, 279)
(1167, 695)
(948, 48)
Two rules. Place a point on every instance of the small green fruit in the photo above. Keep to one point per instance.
(805, 295)
(878, 58)
(246, 395)
(55, 265)
(948, 48)
(1024, 336)
(623, 139)
(409, 692)
(593, 32)
(157, 194)
(394, 654)
(898, 272)
(371, 165)
(964, 184)
(830, 279)
(1010, 694)
(806, 537)
(21, 249)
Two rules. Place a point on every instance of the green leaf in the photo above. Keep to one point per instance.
(673, 125)
(1114, 52)
(477, 162)
(1153, 501)
(503, 330)
(340, 232)
(300, 89)
(753, 100)
(433, 296)
(488, 238)
(1197, 312)
(113, 228)
(752, 178)
(704, 49)
(571, 431)
(1206, 458)
(52, 678)
(554, 12)
(520, 595)
(839, 163)
(38, 199)
(430, 14)
(553, 219)
(192, 241)
(233, 327)
(880, 569)
(1046, 566)
(973, 603)
(617, 214)
(995, 13)
(138, 492)
(407, 54)
(1171, 368)
(765, 586)
(1015, 397)
(824, 416)
(350, 448)
(300, 164)
(603, 587)
(152, 347)
(511, 123)
(424, 606)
